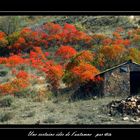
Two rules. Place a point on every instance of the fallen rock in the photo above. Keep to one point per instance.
(111, 119)
(135, 120)
(94, 98)
(138, 106)
(125, 119)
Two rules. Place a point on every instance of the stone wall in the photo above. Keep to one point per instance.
(117, 81)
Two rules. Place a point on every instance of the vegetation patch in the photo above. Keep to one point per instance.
(6, 116)
(6, 101)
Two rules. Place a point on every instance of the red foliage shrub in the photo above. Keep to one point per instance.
(14, 86)
(84, 72)
(22, 74)
(54, 73)
(66, 52)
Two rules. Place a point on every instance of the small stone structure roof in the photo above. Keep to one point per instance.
(115, 67)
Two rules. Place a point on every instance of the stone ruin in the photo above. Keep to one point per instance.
(123, 79)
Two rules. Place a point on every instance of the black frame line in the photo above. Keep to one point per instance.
(79, 127)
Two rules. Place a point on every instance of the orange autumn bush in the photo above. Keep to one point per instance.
(134, 54)
(134, 36)
(79, 69)
(54, 73)
(112, 52)
(67, 35)
(37, 59)
(73, 63)
(66, 52)
(83, 56)
(98, 39)
(3, 40)
(79, 74)
(109, 56)
(12, 61)
(25, 40)
(84, 72)
(22, 74)
(14, 86)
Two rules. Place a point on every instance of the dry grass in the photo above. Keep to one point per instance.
(26, 111)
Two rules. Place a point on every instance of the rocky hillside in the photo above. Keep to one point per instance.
(91, 24)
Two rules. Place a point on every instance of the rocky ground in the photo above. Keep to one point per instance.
(128, 106)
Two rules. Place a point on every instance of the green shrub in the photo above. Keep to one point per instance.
(3, 73)
(6, 101)
(6, 116)
(24, 93)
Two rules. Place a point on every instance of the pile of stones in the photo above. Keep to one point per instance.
(128, 106)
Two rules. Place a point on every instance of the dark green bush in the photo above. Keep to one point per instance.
(6, 116)
(3, 73)
(6, 101)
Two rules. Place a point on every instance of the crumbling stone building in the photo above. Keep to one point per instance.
(120, 79)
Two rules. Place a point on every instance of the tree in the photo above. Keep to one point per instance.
(79, 69)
